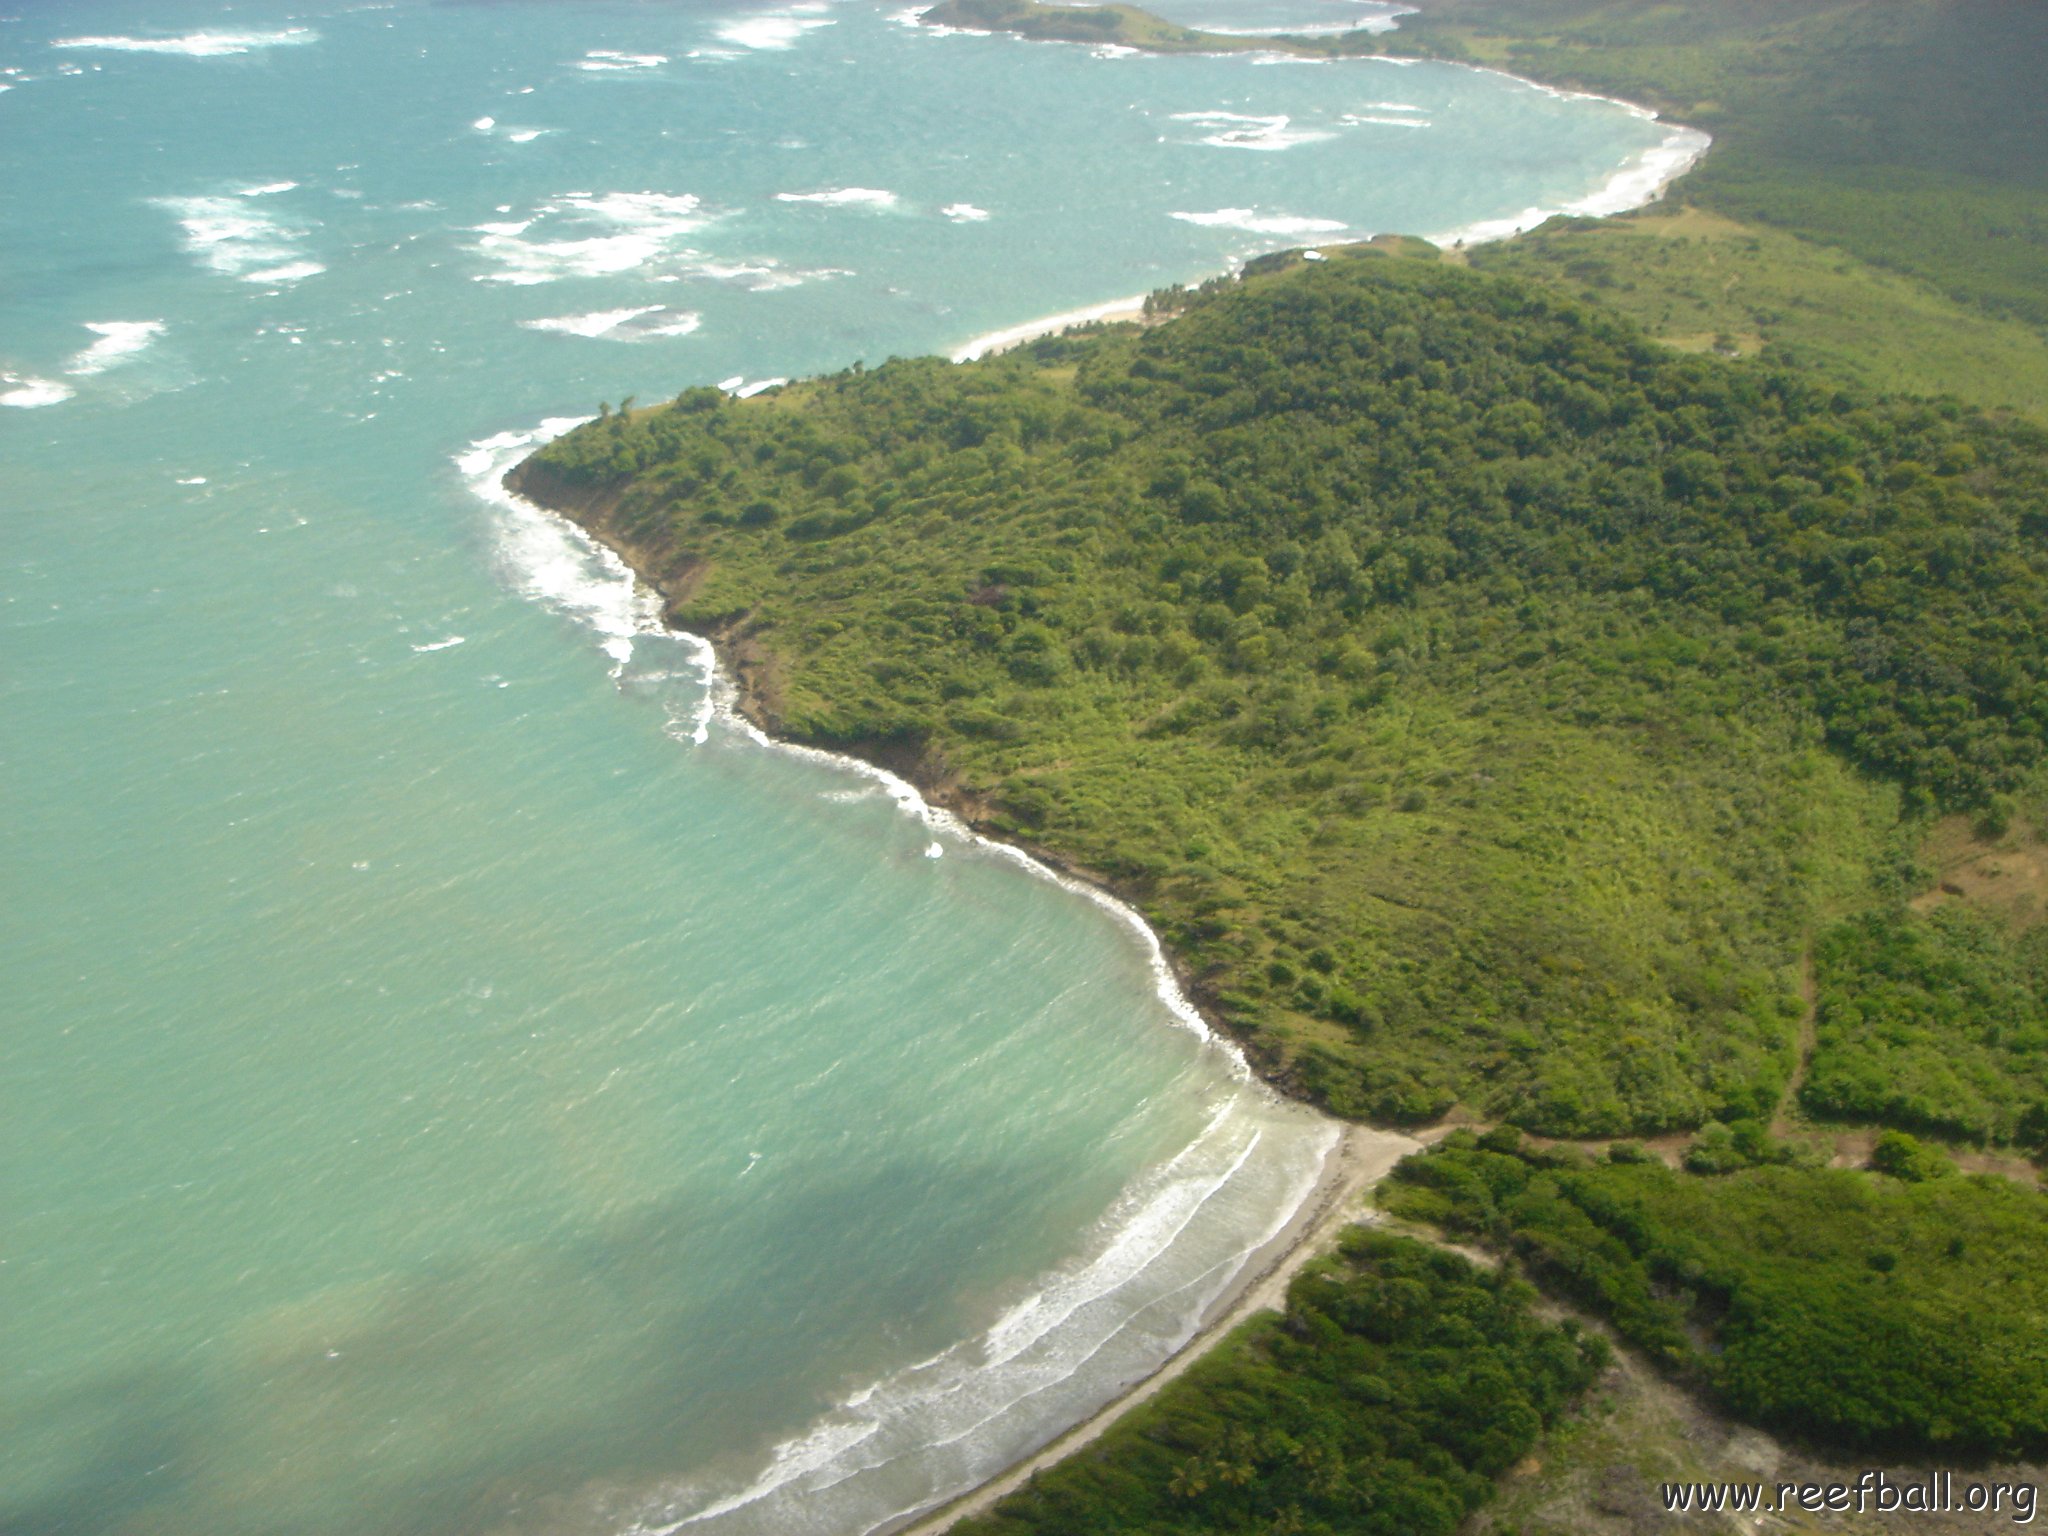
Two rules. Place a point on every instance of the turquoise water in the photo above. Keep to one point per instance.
(453, 1080)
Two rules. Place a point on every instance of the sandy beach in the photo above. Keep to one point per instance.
(1132, 308)
(1360, 1159)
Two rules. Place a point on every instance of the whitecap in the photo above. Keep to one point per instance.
(26, 392)
(267, 189)
(964, 213)
(842, 197)
(603, 234)
(289, 272)
(197, 45)
(441, 645)
(1238, 130)
(118, 341)
(764, 275)
(1361, 119)
(596, 323)
(1253, 222)
(646, 323)
(510, 133)
(232, 236)
(608, 60)
(774, 30)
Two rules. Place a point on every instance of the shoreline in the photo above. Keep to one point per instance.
(1361, 1157)
(1635, 184)
(993, 343)
(1357, 1156)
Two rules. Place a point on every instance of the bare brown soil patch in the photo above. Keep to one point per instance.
(2006, 877)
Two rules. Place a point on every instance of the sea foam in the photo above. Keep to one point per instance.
(593, 235)
(648, 322)
(119, 341)
(26, 392)
(233, 237)
(1253, 222)
(197, 45)
(775, 30)
(608, 61)
(842, 197)
(1239, 130)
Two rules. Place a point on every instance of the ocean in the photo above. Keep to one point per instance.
(456, 1078)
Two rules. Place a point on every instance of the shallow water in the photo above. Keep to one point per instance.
(454, 1082)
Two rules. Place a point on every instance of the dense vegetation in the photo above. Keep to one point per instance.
(1936, 1023)
(1484, 701)
(1912, 133)
(1873, 1313)
(1399, 1384)
(1491, 706)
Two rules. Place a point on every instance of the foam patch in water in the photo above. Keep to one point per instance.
(607, 61)
(26, 392)
(119, 341)
(237, 239)
(774, 30)
(1239, 130)
(645, 323)
(197, 45)
(842, 197)
(591, 234)
(1251, 221)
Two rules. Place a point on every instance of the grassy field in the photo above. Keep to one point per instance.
(1909, 133)
(1701, 281)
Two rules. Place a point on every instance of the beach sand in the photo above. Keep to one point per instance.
(1132, 308)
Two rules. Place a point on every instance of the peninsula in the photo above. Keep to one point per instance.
(1594, 688)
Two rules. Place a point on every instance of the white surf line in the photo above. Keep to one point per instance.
(1140, 1227)
(638, 611)
(1359, 1161)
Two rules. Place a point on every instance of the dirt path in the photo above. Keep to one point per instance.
(1781, 1122)
(1360, 1160)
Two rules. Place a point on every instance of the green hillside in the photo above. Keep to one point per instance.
(1483, 701)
